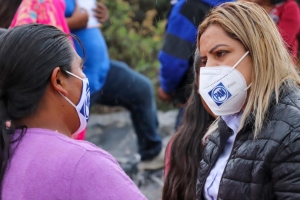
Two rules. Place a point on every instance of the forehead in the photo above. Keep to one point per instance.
(77, 60)
(212, 36)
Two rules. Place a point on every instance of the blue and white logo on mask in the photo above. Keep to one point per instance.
(219, 94)
(83, 106)
(85, 109)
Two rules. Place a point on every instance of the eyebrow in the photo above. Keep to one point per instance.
(81, 63)
(212, 49)
(218, 45)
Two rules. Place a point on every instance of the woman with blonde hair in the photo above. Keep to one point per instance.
(248, 79)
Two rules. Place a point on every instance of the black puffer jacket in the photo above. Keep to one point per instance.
(265, 168)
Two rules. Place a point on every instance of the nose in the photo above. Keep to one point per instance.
(211, 62)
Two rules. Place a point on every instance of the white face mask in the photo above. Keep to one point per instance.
(223, 88)
(83, 106)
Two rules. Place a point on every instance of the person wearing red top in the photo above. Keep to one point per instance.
(286, 15)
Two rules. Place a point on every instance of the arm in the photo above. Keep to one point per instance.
(178, 45)
(174, 59)
(286, 167)
(101, 12)
(99, 176)
(79, 19)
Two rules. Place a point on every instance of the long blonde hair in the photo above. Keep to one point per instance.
(272, 64)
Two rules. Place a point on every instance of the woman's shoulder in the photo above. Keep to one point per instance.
(287, 110)
(87, 149)
(61, 144)
(289, 97)
(98, 170)
(82, 166)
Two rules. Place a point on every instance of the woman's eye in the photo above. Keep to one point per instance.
(221, 53)
(203, 62)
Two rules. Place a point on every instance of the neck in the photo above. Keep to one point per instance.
(48, 119)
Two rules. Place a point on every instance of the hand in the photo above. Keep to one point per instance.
(163, 95)
(79, 19)
(101, 12)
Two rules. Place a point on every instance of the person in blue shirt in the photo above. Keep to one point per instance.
(114, 83)
(176, 54)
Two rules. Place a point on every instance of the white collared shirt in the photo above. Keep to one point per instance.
(211, 187)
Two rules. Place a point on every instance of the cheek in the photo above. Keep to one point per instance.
(75, 91)
(246, 70)
(246, 74)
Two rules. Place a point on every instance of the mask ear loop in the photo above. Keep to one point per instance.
(66, 97)
(73, 75)
(68, 100)
(248, 87)
(240, 60)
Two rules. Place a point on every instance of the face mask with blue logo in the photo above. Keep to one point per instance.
(83, 106)
(223, 88)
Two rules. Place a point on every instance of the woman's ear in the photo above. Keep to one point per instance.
(58, 81)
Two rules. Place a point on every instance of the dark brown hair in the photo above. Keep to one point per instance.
(186, 146)
(28, 55)
(8, 9)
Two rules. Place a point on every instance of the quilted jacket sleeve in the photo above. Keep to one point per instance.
(286, 167)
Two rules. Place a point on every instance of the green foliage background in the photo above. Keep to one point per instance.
(134, 34)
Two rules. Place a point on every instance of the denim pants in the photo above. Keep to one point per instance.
(132, 90)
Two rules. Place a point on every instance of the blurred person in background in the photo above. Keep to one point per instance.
(176, 55)
(248, 79)
(48, 12)
(286, 15)
(45, 95)
(114, 83)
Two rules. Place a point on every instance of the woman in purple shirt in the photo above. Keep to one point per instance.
(45, 95)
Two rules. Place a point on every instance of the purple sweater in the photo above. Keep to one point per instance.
(48, 165)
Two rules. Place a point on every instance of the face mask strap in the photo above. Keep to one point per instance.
(73, 75)
(248, 87)
(240, 60)
(68, 100)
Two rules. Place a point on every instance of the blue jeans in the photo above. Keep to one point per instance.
(132, 90)
(179, 118)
